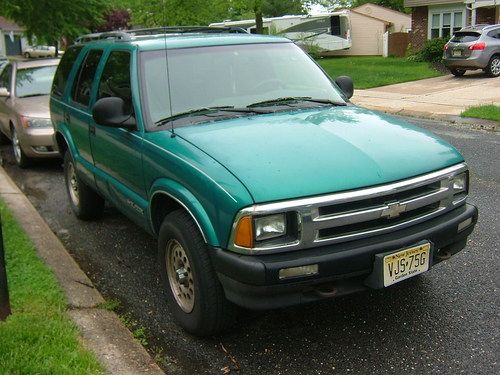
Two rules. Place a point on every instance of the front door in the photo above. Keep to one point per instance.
(117, 152)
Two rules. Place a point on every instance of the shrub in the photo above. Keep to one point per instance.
(432, 51)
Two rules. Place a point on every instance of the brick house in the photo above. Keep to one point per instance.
(441, 18)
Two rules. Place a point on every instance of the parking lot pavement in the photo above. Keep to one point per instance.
(434, 97)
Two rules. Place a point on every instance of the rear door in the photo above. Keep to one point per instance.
(79, 116)
(117, 152)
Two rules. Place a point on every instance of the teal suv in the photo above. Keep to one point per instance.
(263, 184)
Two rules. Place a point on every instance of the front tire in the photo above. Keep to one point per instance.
(20, 157)
(85, 202)
(457, 72)
(194, 293)
(493, 67)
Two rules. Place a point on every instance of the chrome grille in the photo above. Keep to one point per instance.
(361, 213)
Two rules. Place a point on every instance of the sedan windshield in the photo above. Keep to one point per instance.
(234, 76)
(34, 81)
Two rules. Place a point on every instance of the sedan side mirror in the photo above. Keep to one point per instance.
(111, 112)
(346, 85)
(4, 93)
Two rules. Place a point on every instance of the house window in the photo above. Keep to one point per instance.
(444, 24)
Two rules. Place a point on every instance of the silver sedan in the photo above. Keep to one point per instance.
(24, 109)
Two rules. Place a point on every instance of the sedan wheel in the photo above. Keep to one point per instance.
(493, 68)
(27, 55)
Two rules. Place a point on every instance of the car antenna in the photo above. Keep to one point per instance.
(167, 69)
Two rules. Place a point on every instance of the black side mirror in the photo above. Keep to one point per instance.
(111, 112)
(346, 85)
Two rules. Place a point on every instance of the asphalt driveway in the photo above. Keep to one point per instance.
(434, 97)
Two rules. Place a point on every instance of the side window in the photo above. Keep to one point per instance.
(494, 34)
(5, 77)
(115, 78)
(83, 85)
(63, 70)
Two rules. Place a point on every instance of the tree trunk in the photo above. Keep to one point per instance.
(257, 8)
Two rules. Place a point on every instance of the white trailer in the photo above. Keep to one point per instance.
(328, 31)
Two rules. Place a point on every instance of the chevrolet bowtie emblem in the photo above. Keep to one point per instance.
(394, 209)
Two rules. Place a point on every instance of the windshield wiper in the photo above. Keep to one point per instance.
(192, 112)
(292, 99)
(207, 111)
(32, 95)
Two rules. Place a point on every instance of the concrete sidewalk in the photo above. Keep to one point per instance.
(101, 330)
(439, 97)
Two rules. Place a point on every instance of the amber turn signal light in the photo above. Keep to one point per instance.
(244, 232)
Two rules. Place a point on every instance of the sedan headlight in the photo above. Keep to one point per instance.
(35, 122)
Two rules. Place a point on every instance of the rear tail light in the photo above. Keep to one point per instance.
(445, 47)
(478, 46)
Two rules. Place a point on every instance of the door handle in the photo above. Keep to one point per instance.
(92, 129)
(67, 118)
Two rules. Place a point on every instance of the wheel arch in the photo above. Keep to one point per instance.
(168, 196)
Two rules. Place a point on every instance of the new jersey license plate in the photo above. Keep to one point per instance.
(406, 263)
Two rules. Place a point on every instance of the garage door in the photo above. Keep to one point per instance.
(13, 47)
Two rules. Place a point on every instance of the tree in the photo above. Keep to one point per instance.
(49, 20)
(115, 20)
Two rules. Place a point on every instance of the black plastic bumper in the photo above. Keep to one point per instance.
(252, 281)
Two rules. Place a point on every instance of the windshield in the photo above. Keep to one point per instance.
(34, 81)
(233, 76)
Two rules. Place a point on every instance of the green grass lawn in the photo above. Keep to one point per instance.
(374, 71)
(38, 338)
(486, 112)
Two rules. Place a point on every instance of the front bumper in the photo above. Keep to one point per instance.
(252, 281)
(38, 143)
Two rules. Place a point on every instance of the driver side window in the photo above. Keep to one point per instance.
(5, 77)
(115, 79)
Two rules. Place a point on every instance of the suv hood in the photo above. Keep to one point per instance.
(288, 155)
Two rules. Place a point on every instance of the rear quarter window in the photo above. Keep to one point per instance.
(63, 70)
(465, 37)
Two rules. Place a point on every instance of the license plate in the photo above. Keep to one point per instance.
(457, 53)
(406, 263)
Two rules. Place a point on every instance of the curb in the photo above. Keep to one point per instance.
(101, 330)
(472, 122)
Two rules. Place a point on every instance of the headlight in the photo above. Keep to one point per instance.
(460, 182)
(260, 231)
(34, 122)
(268, 227)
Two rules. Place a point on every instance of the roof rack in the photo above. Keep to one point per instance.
(127, 35)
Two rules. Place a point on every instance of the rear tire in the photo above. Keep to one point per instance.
(457, 72)
(85, 202)
(194, 294)
(493, 67)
